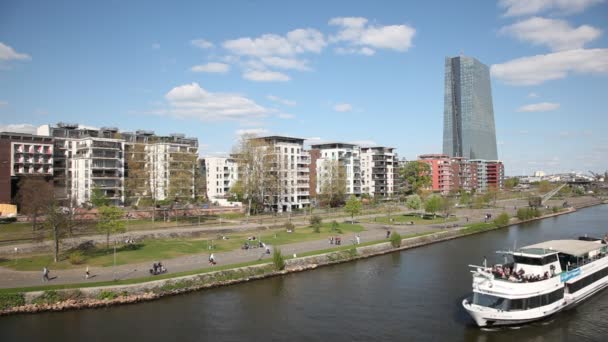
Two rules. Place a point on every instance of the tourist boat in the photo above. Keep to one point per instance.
(541, 280)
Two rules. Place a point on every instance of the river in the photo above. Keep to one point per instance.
(413, 295)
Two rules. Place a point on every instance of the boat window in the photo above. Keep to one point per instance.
(588, 280)
(519, 259)
(549, 259)
(506, 304)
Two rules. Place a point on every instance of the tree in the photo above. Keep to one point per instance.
(447, 205)
(433, 205)
(415, 175)
(34, 196)
(544, 186)
(333, 182)
(98, 198)
(258, 165)
(353, 207)
(315, 223)
(137, 173)
(413, 202)
(465, 198)
(110, 222)
(58, 222)
(182, 173)
(510, 183)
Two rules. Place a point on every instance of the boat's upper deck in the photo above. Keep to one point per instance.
(576, 248)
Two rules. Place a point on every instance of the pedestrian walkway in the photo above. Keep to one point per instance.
(10, 278)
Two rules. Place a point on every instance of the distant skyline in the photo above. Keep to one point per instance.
(356, 72)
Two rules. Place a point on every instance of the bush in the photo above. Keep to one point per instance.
(395, 240)
(335, 227)
(555, 209)
(9, 300)
(278, 260)
(8, 219)
(47, 297)
(109, 295)
(76, 258)
(315, 223)
(502, 220)
(289, 227)
(528, 213)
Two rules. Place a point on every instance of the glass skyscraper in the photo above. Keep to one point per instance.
(468, 115)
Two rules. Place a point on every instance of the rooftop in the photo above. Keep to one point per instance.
(571, 247)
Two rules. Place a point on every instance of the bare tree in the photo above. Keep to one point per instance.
(35, 194)
(59, 221)
(333, 182)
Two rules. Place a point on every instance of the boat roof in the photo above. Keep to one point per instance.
(571, 247)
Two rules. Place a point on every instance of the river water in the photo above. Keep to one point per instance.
(413, 295)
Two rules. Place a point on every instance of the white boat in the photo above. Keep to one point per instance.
(541, 280)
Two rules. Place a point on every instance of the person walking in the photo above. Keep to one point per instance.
(86, 273)
(45, 274)
(358, 239)
(388, 234)
(212, 259)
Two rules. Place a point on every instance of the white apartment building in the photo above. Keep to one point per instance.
(221, 173)
(96, 163)
(377, 171)
(292, 168)
(349, 156)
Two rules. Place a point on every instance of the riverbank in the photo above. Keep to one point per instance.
(29, 301)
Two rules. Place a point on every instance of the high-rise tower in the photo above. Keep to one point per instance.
(468, 115)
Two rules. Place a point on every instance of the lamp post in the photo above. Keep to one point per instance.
(114, 267)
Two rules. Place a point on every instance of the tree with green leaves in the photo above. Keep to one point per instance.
(433, 204)
(465, 198)
(414, 202)
(315, 223)
(447, 206)
(99, 198)
(544, 186)
(110, 221)
(353, 207)
(415, 175)
(512, 182)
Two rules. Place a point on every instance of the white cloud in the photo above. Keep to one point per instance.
(156, 46)
(554, 33)
(211, 67)
(286, 116)
(265, 76)
(533, 95)
(192, 101)
(356, 31)
(281, 100)
(284, 63)
(201, 43)
(343, 107)
(295, 42)
(360, 51)
(251, 131)
(18, 128)
(7, 53)
(528, 7)
(539, 107)
(540, 68)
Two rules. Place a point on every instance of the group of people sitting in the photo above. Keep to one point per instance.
(157, 268)
(517, 276)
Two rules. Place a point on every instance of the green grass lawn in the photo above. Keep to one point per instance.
(404, 218)
(152, 250)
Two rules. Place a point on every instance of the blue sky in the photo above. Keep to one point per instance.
(356, 71)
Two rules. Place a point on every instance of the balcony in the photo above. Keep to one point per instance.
(303, 169)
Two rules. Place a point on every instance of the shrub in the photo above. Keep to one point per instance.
(48, 297)
(109, 295)
(555, 209)
(278, 260)
(289, 226)
(335, 226)
(9, 300)
(76, 258)
(315, 222)
(502, 220)
(395, 240)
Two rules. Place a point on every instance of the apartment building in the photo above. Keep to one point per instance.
(124, 165)
(160, 166)
(96, 163)
(292, 171)
(23, 155)
(221, 174)
(377, 171)
(490, 174)
(348, 156)
(442, 173)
